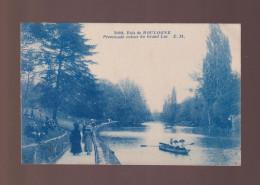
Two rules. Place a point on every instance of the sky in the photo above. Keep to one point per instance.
(156, 64)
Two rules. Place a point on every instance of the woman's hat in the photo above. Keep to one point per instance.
(76, 125)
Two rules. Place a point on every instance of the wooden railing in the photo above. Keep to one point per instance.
(103, 154)
(46, 151)
(49, 151)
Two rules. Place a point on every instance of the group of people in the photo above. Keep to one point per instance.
(51, 124)
(38, 131)
(32, 131)
(76, 139)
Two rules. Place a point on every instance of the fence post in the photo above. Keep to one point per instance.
(108, 155)
(45, 148)
(96, 154)
(35, 156)
(55, 149)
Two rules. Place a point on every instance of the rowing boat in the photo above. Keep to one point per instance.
(173, 149)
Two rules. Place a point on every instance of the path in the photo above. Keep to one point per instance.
(103, 152)
(82, 158)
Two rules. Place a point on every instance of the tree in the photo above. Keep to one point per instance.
(30, 57)
(109, 99)
(170, 108)
(218, 79)
(133, 108)
(192, 111)
(65, 72)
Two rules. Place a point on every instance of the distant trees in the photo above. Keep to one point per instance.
(156, 115)
(109, 99)
(170, 108)
(133, 107)
(192, 111)
(123, 102)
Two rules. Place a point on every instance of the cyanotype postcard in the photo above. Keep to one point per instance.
(131, 94)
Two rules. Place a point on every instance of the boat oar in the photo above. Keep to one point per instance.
(158, 145)
(149, 145)
(190, 144)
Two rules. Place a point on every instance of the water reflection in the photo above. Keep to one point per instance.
(209, 147)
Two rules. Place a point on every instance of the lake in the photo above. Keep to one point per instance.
(210, 147)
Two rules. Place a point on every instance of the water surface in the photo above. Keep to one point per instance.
(210, 148)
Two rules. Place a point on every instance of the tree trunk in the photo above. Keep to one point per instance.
(26, 91)
(57, 88)
(209, 119)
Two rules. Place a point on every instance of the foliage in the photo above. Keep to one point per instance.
(65, 78)
(109, 99)
(192, 112)
(56, 76)
(123, 102)
(219, 86)
(217, 98)
(170, 108)
(133, 108)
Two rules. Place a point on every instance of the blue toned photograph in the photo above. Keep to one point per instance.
(131, 94)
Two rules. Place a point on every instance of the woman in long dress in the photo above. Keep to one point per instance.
(75, 139)
(83, 132)
(88, 134)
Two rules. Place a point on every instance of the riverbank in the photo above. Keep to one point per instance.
(209, 130)
(104, 155)
(128, 125)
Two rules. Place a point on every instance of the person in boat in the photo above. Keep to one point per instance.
(171, 141)
(75, 139)
(88, 135)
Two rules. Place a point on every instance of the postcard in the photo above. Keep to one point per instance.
(131, 94)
